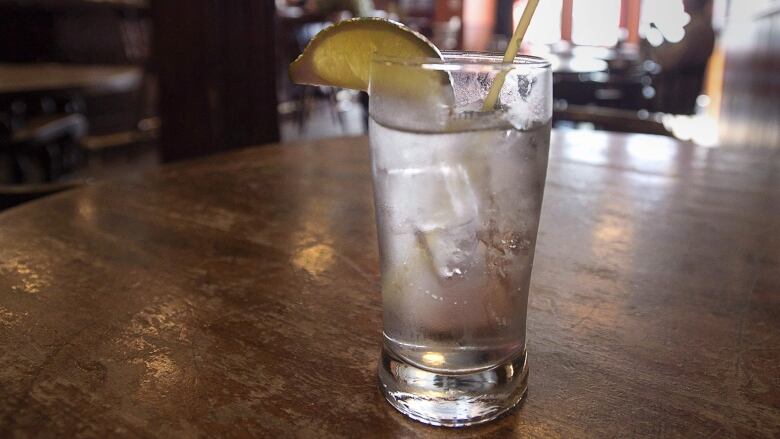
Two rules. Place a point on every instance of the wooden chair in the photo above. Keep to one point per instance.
(37, 155)
(46, 147)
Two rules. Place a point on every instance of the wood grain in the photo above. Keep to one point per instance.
(238, 297)
(215, 66)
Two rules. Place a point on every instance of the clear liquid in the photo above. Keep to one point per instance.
(457, 216)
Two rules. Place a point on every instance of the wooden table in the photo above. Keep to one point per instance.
(237, 296)
(39, 78)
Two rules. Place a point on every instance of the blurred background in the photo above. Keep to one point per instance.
(91, 89)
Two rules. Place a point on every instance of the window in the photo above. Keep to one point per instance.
(663, 20)
(596, 22)
(546, 26)
(586, 22)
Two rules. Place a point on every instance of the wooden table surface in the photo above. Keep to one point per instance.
(31, 78)
(237, 296)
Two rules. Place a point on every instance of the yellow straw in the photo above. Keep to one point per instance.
(509, 55)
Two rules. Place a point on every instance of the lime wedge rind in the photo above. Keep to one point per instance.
(341, 54)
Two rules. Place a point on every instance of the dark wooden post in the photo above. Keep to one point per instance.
(749, 112)
(504, 20)
(215, 66)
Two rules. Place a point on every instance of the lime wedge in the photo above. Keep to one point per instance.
(341, 54)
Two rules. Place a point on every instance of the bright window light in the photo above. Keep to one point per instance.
(545, 28)
(596, 22)
(663, 20)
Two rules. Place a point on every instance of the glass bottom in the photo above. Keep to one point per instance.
(453, 400)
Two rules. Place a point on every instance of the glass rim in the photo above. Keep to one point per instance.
(460, 60)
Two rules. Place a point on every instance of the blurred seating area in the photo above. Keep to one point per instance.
(102, 88)
(625, 65)
(75, 97)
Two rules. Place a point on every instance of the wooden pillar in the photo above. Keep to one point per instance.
(479, 20)
(504, 23)
(215, 67)
(630, 14)
(445, 10)
(567, 12)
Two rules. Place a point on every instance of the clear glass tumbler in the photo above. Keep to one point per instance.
(458, 194)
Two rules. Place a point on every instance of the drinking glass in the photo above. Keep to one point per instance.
(458, 194)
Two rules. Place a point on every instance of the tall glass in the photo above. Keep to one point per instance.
(458, 194)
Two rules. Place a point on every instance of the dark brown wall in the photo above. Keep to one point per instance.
(215, 63)
(750, 112)
(72, 32)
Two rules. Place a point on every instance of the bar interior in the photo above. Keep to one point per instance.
(199, 240)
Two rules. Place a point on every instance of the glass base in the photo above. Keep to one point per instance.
(453, 400)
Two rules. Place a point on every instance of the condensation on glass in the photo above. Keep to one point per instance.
(458, 194)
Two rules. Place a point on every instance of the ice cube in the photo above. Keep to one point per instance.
(450, 251)
(530, 105)
(447, 230)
